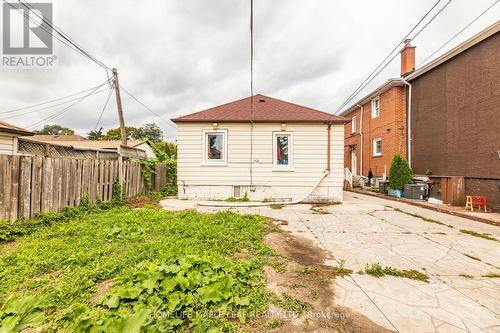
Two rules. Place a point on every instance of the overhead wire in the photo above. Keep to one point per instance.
(357, 91)
(66, 109)
(66, 37)
(104, 108)
(389, 54)
(458, 33)
(47, 102)
(49, 107)
(169, 122)
(251, 93)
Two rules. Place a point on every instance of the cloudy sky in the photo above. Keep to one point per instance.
(181, 56)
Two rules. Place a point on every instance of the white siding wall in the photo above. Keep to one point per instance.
(6, 144)
(147, 148)
(309, 161)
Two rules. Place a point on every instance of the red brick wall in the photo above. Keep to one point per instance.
(390, 126)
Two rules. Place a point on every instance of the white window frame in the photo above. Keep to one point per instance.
(276, 166)
(354, 124)
(374, 149)
(375, 111)
(205, 159)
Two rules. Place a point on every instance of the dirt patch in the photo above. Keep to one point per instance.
(141, 201)
(305, 282)
(300, 250)
(11, 245)
(102, 288)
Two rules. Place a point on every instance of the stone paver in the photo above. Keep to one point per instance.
(365, 230)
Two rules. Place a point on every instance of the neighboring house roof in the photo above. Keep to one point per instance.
(488, 32)
(379, 90)
(6, 127)
(57, 138)
(265, 109)
(93, 144)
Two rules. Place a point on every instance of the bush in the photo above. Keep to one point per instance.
(400, 173)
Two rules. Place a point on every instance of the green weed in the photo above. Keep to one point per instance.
(378, 271)
(477, 234)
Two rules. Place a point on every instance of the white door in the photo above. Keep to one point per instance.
(354, 161)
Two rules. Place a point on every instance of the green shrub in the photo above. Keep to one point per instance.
(400, 173)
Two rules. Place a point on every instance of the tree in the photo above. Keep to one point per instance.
(55, 130)
(151, 132)
(164, 150)
(400, 173)
(115, 134)
(96, 134)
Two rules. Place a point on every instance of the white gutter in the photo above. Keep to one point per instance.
(258, 204)
(361, 136)
(408, 132)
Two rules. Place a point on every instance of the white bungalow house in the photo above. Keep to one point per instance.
(264, 147)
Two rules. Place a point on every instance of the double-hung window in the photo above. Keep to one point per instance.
(377, 147)
(353, 124)
(375, 107)
(215, 147)
(283, 151)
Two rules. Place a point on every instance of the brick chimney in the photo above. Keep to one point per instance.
(407, 58)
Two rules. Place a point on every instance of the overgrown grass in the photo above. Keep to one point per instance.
(477, 234)
(289, 303)
(378, 271)
(234, 199)
(176, 265)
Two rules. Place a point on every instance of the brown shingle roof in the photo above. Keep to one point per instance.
(265, 109)
(114, 144)
(6, 127)
(58, 138)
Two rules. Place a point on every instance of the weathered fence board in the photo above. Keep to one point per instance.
(34, 184)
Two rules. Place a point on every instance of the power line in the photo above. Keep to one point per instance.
(42, 27)
(50, 106)
(65, 36)
(458, 33)
(64, 110)
(388, 55)
(47, 102)
(146, 107)
(104, 108)
(375, 73)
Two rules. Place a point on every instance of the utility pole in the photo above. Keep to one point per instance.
(119, 107)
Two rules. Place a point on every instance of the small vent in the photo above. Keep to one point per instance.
(262, 100)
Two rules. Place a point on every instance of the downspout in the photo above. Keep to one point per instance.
(408, 131)
(361, 138)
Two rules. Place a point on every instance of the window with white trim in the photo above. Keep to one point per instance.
(215, 146)
(375, 107)
(353, 124)
(377, 147)
(282, 147)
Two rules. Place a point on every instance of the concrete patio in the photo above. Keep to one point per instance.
(366, 230)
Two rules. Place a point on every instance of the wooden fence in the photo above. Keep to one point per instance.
(33, 184)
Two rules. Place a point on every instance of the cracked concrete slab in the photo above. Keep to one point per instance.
(366, 230)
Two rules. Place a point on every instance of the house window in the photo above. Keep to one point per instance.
(282, 147)
(377, 147)
(353, 124)
(375, 107)
(215, 146)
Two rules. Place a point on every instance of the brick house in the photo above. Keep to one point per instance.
(377, 127)
(455, 117)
